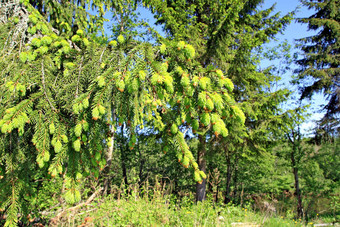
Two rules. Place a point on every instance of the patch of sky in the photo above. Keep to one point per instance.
(290, 35)
(138, 23)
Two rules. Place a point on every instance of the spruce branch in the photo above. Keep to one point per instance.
(101, 56)
(44, 86)
(80, 70)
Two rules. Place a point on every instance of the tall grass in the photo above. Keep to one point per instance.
(148, 206)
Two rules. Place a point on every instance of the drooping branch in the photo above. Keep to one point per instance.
(79, 73)
(44, 86)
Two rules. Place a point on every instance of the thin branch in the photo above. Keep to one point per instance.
(55, 220)
(43, 83)
(101, 56)
(80, 69)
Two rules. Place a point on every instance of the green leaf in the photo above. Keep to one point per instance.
(78, 130)
(210, 104)
(101, 81)
(95, 113)
(174, 129)
(86, 42)
(52, 128)
(228, 84)
(72, 196)
(101, 109)
(113, 43)
(46, 156)
(58, 146)
(23, 57)
(64, 138)
(80, 32)
(197, 176)
(76, 145)
(86, 103)
(121, 39)
(97, 156)
(205, 119)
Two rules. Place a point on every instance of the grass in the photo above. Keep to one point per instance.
(160, 207)
(165, 211)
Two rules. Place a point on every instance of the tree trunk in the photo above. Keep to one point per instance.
(235, 178)
(123, 157)
(297, 187)
(227, 191)
(141, 166)
(295, 140)
(110, 152)
(201, 188)
(217, 191)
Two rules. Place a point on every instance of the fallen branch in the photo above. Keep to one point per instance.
(54, 221)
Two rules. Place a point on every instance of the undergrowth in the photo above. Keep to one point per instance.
(159, 210)
(158, 205)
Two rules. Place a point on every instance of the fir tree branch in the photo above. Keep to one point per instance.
(80, 69)
(101, 56)
(44, 87)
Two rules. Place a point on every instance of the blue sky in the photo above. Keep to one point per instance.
(295, 31)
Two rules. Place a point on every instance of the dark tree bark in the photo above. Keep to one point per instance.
(228, 184)
(141, 166)
(201, 188)
(109, 154)
(295, 140)
(235, 178)
(297, 186)
(123, 157)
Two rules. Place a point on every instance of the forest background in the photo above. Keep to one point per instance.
(207, 106)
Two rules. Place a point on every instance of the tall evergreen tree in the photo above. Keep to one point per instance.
(63, 92)
(226, 34)
(319, 66)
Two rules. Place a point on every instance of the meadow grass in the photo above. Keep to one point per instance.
(166, 211)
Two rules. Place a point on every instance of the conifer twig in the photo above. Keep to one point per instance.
(43, 83)
(101, 56)
(80, 71)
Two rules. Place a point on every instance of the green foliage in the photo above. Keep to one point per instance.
(320, 61)
(120, 39)
(72, 196)
(68, 85)
(227, 38)
(153, 209)
(80, 109)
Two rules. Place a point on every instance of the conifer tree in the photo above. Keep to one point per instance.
(64, 89)
(226, 34)
(319, 66)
